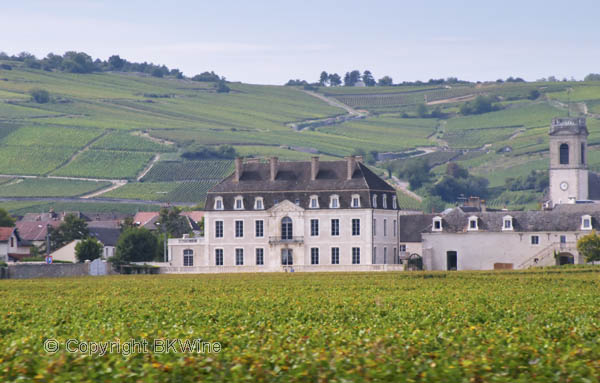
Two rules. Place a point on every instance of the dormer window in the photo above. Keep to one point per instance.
(314, 202)
(385, 201)
(586, 222)
(334, 201)
(259, 203)
(395, 202)
(507, 223)
(437, 224)
(239, 203)
(355, 200)
(218, 203)
(374, 201)
(473, 223)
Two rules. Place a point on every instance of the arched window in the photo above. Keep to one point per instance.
(188, 257)
(564, 154)
(287, 230)
(374, 201)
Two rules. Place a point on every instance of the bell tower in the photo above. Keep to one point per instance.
(568, 160)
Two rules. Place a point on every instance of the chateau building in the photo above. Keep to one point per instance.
(295, 216)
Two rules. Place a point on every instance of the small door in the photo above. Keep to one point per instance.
(451, 260)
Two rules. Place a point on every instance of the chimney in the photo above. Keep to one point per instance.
(483, 206)
(238, 169)
(350, 167)
(274, 163)
(314, 167)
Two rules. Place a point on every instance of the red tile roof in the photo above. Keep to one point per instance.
(143, 217)
(195, 215)
(5, 233)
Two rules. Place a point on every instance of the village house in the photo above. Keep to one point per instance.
(295, 216)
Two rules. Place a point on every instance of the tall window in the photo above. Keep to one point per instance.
(374, 200)
(239, 229)
(287, 231)
(314, 227)
(374, 226)
(335, 255)
(314, 256)
(188, 257)
(564, 154)
(218, 229)
(260, 256)
(259, 228)
(395, 227)
(335, 227)
(384, 201)
(385, 255)
(582, 153)
(374, 256)
(355, 226)
(239, 257)
(287, 258)
(356, 255)
(385, 227)
(394, 202)
(219, 257)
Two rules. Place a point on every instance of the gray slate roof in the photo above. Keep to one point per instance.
(566, 217)
(411, 226)
(108, 236)
(293, 183)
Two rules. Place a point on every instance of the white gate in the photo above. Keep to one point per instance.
(98, 267)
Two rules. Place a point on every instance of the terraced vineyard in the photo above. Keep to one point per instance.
(106, 164)
(189, 171)
(530, 326)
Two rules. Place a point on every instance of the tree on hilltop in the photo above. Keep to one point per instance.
(368, 79)
(335, 79)
(385, 81)
(323, 79)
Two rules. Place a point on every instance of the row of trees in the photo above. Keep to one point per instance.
(81, 62)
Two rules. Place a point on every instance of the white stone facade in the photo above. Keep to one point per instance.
(321, 239)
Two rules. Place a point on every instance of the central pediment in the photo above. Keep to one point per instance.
(286, 206)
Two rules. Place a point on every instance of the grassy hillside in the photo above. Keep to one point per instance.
(116, 125)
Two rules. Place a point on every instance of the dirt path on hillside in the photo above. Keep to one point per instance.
(468, 97)
(97, 193)
(149, 166)
(334, 102)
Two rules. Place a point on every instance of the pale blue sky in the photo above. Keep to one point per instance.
(269, 42)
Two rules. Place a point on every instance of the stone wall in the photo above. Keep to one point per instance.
(42, 270)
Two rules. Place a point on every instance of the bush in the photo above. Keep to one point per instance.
(136, 245)
(206, 77)
(157, 72)
(88, 249)
(201, 152)
(222, 87)
(41, 96)
(3, 264)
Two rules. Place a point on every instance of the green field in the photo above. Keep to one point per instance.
(533, 326)
(106, 164)
(49, 187)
